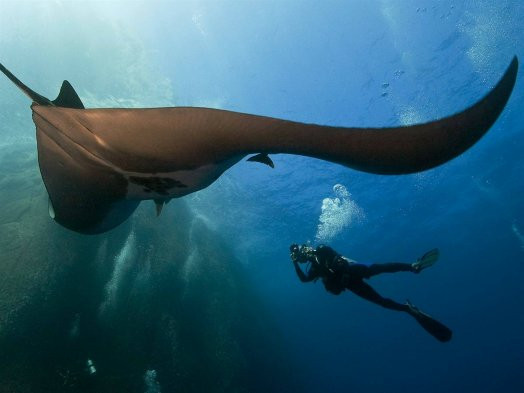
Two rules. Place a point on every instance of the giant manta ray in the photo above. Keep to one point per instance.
(98, 164)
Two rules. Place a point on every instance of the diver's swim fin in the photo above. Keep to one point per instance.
(426, 260)
(437, 329)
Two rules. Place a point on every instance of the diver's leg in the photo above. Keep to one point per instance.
(366, 271)
(360, 270)
(391, 267)
(437, 329)
(364, 290)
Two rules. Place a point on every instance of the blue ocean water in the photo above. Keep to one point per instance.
(359, 63)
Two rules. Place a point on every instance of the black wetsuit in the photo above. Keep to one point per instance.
(339, 273)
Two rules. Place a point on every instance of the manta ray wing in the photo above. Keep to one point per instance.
(98, 164)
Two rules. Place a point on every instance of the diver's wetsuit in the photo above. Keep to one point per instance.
(339, 273)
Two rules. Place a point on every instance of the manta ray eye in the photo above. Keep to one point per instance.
(50, 208)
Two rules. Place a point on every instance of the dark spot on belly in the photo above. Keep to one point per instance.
(160, 185)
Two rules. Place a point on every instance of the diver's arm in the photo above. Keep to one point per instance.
(302, 276)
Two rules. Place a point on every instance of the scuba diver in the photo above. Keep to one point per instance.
(339, 273)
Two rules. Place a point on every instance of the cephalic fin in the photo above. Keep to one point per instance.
(263, 158)
(159, 204)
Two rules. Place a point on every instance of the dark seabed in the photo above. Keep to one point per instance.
(204, 298)
(145, 302)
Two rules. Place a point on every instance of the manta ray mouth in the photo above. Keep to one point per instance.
(78, 201)
(86, 194)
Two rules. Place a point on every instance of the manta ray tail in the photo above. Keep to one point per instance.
(394, 150)
(27, 91)
(67, 98)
